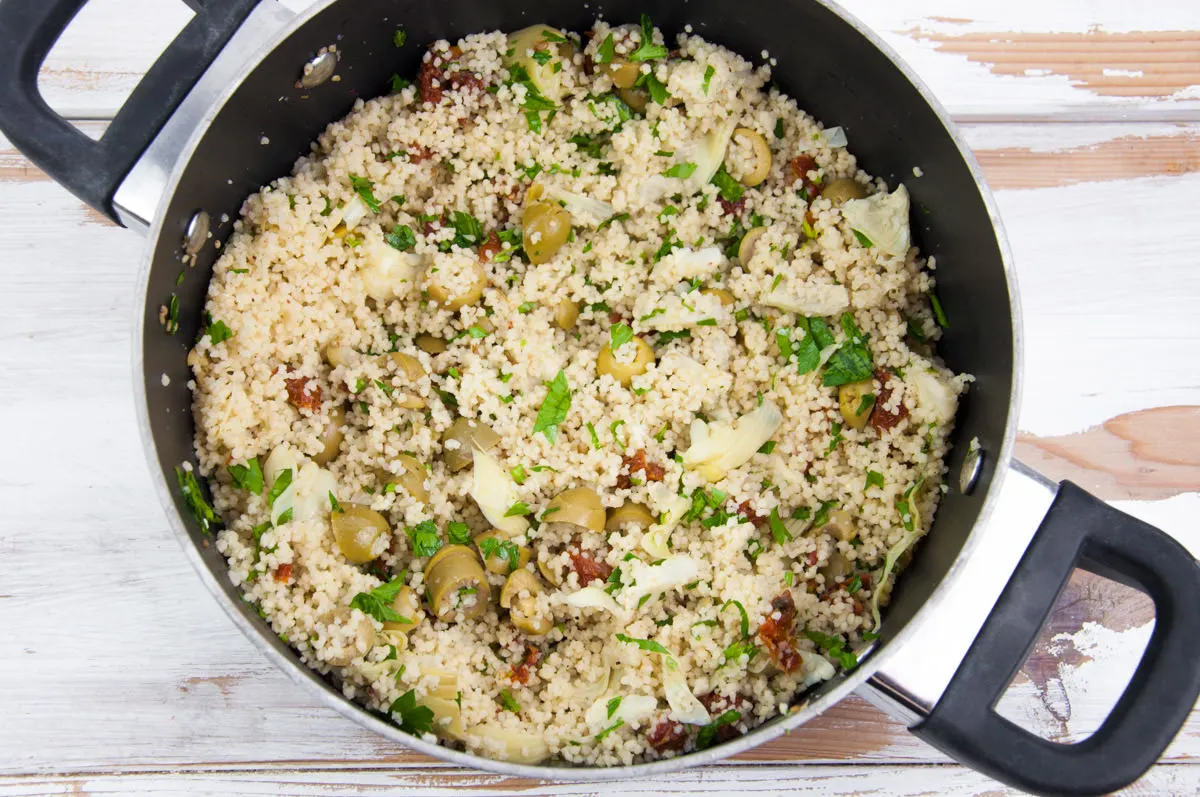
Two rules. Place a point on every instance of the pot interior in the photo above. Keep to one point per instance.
(833, 70)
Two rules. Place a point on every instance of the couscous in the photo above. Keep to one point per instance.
(575, 401)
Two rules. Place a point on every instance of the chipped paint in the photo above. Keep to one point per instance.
(1156, 64)
(1124, 158)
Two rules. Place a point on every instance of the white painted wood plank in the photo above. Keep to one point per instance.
(984, 60)
(767, 781)
(108, 629)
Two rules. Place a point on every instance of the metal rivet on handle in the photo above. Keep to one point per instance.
(197, 232)
(971, 468)
(318, 70)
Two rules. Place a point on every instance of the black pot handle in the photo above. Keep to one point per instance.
(1078, 531)
(92, 170)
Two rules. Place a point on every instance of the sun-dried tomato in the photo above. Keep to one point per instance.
(776, 633)
(490, 248)
(522, 671)
(667, 735)
(631, 464)
(302, 394)
(884, 419)
(589, 569)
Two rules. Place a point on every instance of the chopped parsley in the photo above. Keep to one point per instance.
(612, 429)
(414, 719)
(554, 407)
(680, 170)
(745, 618)
(204, 514)
(705, 738)
(518, 474)
(248, 476)
(865, 403)
(611, 219)
(595, 438)
(613, 705)
(938, 313)
(606, 51)
(518, 509)
(835, 437)
(504, 550)
(874, 478)
(362, 186)
(822, 515)
(509, 702)
(619, 335)
(835, 646)
(648, 645)
(862, 239)
(426, 541)
(378, 602)
(778, 531)
(600, 736)
(401, 237)
(468, 231)
(731, 190)
(399, 84)
(852, 361)
(400, 37)
(709, 71)
(458, 533)
(779, 127)
(658, 91)
(334, 506)
(282, 482)
(217, 331)
(647, 50)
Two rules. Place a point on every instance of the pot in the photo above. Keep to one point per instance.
(245, 87)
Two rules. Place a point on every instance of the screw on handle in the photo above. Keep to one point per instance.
(93, 170)
(1079, 530)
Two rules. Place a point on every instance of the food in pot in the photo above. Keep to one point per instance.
(571, 387)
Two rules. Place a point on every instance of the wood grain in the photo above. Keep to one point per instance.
(1134, 64)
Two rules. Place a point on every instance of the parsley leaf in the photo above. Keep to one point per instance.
(400, 37)
(835, 646)
(600, 736)
(648, 645)
(606, 51)
(745, 617)
(458, 533)
(426, 541)
(509, 702)
(613, 705)
(194, 497)
(658, 91)
(619, 335)
(401, 237)
(248, 476)
(779, 127)
(647, 50)
(705, 738)
(217, 331)
(554, 408)
(414, 719)
(334, 506)
(504, 550)
(865, 403)
(680, 170)
(731, 190)
(862, 239)
(875, 478)
(938, 313)
(778, 530)
(709, 71)
(362, 186)
(378, 602)
(614, 218)
(518, 509)
(468, 231)
(282, 482)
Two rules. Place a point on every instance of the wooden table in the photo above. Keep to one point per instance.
(119, 673)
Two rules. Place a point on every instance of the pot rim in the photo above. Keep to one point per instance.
(806, 709)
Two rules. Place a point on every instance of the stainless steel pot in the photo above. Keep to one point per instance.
(242, 91)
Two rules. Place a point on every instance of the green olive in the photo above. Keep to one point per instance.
(408, 605)
(723, 296)
(841, 525)
(628, 513)
(623, 73)
(636, 99)
(463, 296)
(835, 569)
(546, 227)
(621, 370)
(543, 60)
(339, 355)
(580, 506)
(762, 156)
(430, 345)
(749, 240)
(456, 582)
(497, 563)
(842, 189)
(470, 435)
(412, 477)
(566, 313)
(331, 436)
(356, 529)
(522, 608)
(412, 370)
(549, 573)
(855, 411)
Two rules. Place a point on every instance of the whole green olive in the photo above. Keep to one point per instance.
(546, 227)
(578, 505)
(465, 291)
(842, 189)
(430, 345)
(566, 313)
(624, 370)
(357, 530)
(499, 562)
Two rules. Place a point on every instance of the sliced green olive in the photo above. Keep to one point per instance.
(566, 313)
(529, 48)
(408, 605)
(496, 563)
(469, 434)
(412, 477)
(546, 227)
(580, 506)
(623, 73)
(337, 355)
(723, 296)
(357, 529)
(636, 99)
(842, 189)
(747, 244)
(456, 582)
(855, 411)
(626, 514)
(835, 569)
(621, 370)
(331, 436)
(430, 345)
(519, 596)
(549, 573)
(841, 525)
(463, 296)
(762, 156)
(412, 370)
